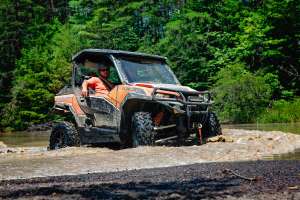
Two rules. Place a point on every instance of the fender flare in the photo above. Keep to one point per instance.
(63, 109)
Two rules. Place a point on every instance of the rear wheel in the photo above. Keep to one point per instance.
(142, 129)
(212, 126)
(64, 134)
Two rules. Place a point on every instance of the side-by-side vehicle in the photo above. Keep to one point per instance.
(147, 103)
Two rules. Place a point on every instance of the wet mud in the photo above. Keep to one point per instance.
(224, 180)
(234, 145)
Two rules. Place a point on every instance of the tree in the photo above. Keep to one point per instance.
(240, 96)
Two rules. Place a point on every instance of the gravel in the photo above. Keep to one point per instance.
(224, 180)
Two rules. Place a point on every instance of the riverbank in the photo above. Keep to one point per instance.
(234, 145)
(283, 127)
(263, 180)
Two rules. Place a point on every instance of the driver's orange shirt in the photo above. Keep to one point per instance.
(96, 84)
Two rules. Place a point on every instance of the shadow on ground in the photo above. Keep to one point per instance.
(240, 180)
(194, 189)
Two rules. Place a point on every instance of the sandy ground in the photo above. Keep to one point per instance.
(234, 145)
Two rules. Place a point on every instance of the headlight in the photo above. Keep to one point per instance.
(199, 98)
(159, 95)
(167, 94)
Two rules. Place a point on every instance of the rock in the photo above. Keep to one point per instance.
(2, 145)
(7, 150)
(242, 141)
(220, 138)
(297, 195)
(175, 196)
(278, 138)
(296, 187)
(11, 151)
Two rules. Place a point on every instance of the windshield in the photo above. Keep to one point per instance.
(147, 71)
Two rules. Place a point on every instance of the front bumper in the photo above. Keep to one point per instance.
(190, 112)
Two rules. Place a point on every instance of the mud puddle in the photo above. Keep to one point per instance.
(234, 145)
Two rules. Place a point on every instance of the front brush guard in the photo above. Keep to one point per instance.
(187, 103)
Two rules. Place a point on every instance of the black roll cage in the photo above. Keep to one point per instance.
(113, 55)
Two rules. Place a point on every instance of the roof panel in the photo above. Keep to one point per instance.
(81, 54)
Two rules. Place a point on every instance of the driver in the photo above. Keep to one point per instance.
(100, 84)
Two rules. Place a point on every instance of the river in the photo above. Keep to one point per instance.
(41, 138)
(26, 139)
(284, 127)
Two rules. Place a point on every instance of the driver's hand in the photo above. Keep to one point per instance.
(84, 93)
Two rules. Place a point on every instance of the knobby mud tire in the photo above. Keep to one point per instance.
(212, 126)
(142, 129)
(64, 134)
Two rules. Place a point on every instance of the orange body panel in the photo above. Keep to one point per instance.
(116, 96)
(70, 100)
(168, 92)
(119, 93)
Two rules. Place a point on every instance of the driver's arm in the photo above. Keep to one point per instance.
(90, 83)
(84, 91)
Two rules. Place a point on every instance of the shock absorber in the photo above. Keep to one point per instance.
(200, 141)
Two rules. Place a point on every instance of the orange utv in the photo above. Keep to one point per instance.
(147, 104)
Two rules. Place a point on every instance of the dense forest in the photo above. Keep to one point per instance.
(245, 51)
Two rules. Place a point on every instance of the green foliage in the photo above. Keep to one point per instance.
(186, 45)
(41, 72)
(281, 111)
(245, 51)
(240, 96)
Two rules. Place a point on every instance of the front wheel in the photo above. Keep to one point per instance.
(64, 134)
(142, 129)
(212, 126)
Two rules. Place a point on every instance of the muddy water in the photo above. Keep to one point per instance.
(284, 127)
(26, 154)
(26, 139)
(41, 138)
(294, 155)
(38, 141)
(236, 145)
